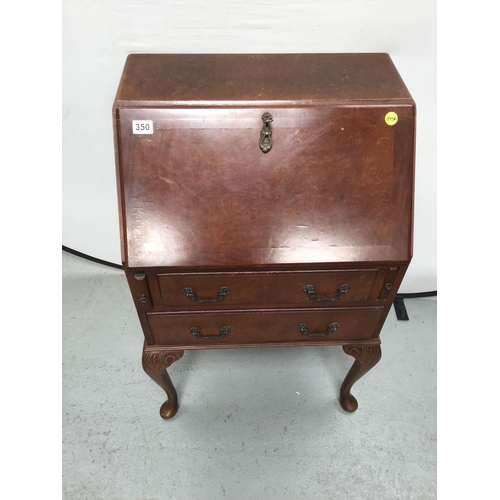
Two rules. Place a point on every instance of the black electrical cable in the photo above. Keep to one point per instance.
(399, 303)
(417, 295)
(93, 259)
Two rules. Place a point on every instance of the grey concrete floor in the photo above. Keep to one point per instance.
(252, 423)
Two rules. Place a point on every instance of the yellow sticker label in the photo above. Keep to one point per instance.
(391, 118)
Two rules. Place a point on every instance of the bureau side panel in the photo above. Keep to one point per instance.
(119, 183)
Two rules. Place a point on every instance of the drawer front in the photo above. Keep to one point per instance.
(220, 328)
(298, 289)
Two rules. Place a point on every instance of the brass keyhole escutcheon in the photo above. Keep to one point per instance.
(266, 134)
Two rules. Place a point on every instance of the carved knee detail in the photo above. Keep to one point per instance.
(370, 354)
(157, 361)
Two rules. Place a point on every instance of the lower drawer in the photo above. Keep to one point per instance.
(252, 327)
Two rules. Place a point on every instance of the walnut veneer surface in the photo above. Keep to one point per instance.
(227, 243)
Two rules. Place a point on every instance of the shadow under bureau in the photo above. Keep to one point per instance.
(265, 200)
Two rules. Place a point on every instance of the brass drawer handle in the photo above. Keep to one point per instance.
(224, 332)
(311, 291)
(304, 329)
(223, 291)
(266, 134)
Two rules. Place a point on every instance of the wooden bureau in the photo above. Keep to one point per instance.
(265, 200)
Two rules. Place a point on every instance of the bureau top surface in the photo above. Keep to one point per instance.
(211, 79)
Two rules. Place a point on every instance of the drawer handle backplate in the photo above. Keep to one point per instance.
(223, 291)
(304, 329)
(311, 291)
(224, 332)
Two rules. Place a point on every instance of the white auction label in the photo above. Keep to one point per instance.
(142, 126)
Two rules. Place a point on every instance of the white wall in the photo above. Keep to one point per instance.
(97, 37)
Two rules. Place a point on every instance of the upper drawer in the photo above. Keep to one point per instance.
(198, 192)
(269, 289)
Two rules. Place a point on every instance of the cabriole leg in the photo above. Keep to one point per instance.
(155, 364)
(366, 358)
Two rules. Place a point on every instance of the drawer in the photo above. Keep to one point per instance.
(219, 328)
(266, 289)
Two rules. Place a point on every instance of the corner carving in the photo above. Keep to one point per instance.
(157, 361)
(370, 354)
